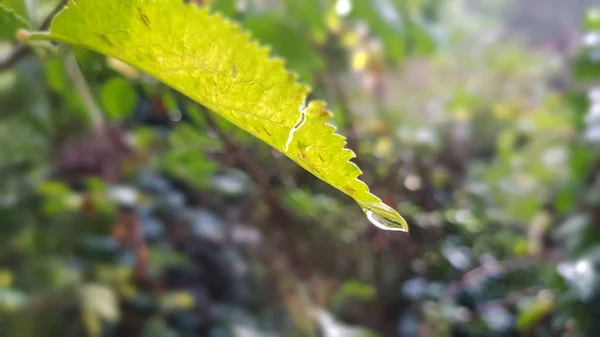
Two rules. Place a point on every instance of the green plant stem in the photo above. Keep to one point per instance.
(84, 91)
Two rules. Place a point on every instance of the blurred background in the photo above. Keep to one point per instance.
(128, 210)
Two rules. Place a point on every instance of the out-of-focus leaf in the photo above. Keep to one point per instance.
(118, 97)
(306, 203)
(10, 22)
(143, 137)
(587, 65)
(18, 6)
(566, 197)
(11, 300)
(99, 303)
(53, 188)
(226, 7)
(505, 145)
(288, 43)
(186, 158)
(357, 290)
(422, 41)
(581, 160)
(8, 81)
(592, 20)
(56, 77)
(6, 278)
(533, 312)
(178, 300)
(523, 208)
(310, 13)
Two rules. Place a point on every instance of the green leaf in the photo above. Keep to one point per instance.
(211, 60)
(118, 97)
(18, 6)
(10, 22)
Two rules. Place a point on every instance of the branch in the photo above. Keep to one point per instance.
(21, 50)
(83, 89)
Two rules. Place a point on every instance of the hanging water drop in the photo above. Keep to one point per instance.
(384, 223)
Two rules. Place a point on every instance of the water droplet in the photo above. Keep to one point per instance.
(383, 222)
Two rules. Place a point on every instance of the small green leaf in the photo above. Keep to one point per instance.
(118, 97)
(211, 60)
(10, 22)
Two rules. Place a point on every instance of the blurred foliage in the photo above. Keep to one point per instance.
(148, 221)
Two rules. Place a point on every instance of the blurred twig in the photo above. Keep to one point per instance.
(15, 55)
(21, 50)
(84, 91)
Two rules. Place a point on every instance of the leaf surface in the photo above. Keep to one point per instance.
(214, 62)
(10, 22)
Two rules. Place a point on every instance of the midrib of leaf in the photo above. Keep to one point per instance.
(212, 61)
